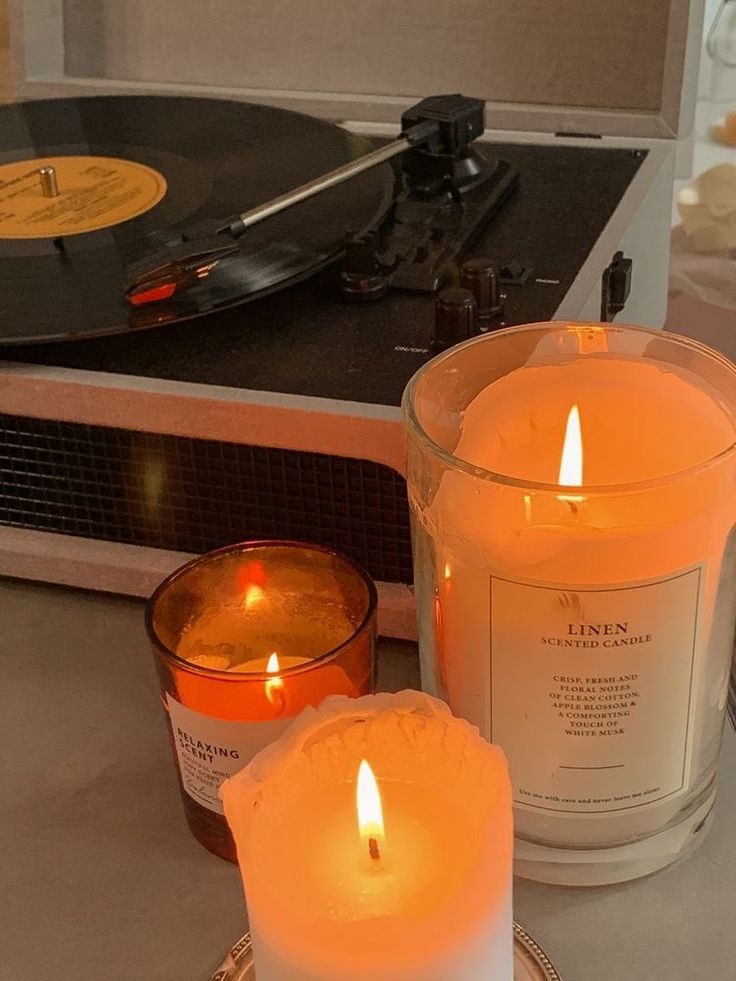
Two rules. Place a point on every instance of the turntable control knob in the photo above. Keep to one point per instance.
(480, 276)
(454, 317)
(361, 276)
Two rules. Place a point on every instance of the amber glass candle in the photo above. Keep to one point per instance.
(245, 638)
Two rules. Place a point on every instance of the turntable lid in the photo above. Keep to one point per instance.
(612, 67)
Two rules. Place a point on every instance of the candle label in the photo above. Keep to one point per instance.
(210, 750)
(591, 689)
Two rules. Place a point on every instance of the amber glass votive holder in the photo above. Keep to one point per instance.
(244, 638)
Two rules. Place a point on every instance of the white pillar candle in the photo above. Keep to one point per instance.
(428, 898)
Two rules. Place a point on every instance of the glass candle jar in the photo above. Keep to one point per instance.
(244, 639)
(573, 495)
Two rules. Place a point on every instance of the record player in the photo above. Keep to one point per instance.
(186, 363)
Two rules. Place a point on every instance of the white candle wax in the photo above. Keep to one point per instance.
(435, 906)
(522, 576)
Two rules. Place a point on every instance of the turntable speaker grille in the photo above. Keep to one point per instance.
(194, 495)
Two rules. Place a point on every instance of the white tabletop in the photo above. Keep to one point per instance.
(102, 880)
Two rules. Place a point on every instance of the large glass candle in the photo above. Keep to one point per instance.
(573, 494)
(244, 639)
(375, 840)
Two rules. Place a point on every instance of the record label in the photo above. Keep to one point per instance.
(93, 193)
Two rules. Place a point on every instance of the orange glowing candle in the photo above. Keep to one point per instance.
(245, 639)
(585, 503)
(425, 897)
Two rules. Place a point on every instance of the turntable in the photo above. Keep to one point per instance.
(188, 361)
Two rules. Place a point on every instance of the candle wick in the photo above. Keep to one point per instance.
(573, 506)
(373, 849)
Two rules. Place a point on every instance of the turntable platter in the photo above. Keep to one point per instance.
(132, 170)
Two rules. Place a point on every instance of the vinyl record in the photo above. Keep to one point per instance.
(133, 170)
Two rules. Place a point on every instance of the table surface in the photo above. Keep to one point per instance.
(102, 880)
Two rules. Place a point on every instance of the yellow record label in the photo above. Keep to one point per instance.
(82, 194)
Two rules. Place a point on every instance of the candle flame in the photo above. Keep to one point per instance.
(370, 812)
(274, 686)
(448, 572)
(571, 462)
(253, 595)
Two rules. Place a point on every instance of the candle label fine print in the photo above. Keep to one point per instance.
(591, 690)
(209, 750)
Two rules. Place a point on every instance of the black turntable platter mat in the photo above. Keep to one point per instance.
(130, 169)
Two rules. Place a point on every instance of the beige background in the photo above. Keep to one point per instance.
(591, 53)
(587, 66)
(4, 53)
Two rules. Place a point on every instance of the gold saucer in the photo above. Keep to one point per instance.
(530, 961)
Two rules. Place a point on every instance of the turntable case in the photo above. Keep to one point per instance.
(537, 64)
(311, 467)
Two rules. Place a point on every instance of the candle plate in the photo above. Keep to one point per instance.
(530, 961)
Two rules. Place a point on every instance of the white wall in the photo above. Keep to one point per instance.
(716, 82)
